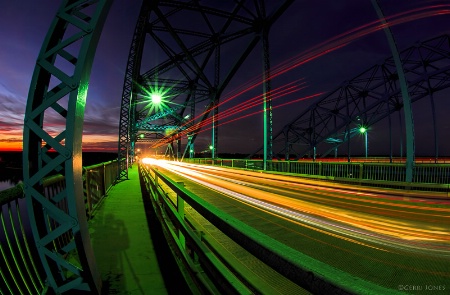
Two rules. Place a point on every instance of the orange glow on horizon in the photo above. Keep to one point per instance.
(91, 143)
(14, 146)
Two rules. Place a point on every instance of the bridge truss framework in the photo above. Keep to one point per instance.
(190, 37)
(367, 99)
(60, 82)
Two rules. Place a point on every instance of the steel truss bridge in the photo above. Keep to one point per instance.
(368, 98)
(191, 36)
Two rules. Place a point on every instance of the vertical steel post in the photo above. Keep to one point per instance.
(104, 180)
(366, 142)
(88, 192)
(347, 132)
(178, 149)
(409, 122)
(214, 134)
(401, 134)
(390, 137)
(267, 98)
(180, 210)
(190, 136)
(286, 145)
(215, 121)
(433, 110)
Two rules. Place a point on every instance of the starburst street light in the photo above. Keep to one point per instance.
(156, 98)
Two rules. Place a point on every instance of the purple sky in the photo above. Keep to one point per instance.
(24, 24)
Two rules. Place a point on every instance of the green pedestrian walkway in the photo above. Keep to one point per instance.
(123, 244)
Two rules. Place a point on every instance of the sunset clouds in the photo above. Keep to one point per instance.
(24, 24)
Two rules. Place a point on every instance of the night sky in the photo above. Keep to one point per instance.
(24, 24)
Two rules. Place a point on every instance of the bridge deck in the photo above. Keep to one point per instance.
(123, 244)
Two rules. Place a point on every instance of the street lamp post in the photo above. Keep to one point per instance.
(363, 130)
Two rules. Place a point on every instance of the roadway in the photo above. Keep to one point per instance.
(401, 243)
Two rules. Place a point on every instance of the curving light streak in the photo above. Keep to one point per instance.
(260, 111)
(322, 49)
(280, 92)
(351, 225)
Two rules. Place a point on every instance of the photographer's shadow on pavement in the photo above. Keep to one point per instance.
(110, 241)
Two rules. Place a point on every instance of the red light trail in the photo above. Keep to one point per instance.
(250, 103)
(302, 58)
(260, 111)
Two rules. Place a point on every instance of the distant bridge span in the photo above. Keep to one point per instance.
(367, 99)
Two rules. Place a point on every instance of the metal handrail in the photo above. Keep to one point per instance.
(20, 269)
(97, 180)
(427, 177)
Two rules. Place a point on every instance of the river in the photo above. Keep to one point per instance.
(9, 177)
(11, 165)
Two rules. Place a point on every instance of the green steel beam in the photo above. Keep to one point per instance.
(409, 122)
(127, 119)
(153, 128)
(73, 37)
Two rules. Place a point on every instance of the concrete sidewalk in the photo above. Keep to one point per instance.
(123, 244)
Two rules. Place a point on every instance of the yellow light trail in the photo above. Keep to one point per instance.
(369, 219)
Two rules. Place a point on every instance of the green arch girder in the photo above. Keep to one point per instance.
(59, 85)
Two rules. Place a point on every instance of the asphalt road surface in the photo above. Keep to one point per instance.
(400, 243)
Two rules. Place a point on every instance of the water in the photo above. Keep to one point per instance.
(5, 185)
(9, 178)
(10, 169)
(11, 165)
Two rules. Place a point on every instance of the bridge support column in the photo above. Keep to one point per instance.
(191, 151)
(267, 98)
(409, 123)
(178, 149)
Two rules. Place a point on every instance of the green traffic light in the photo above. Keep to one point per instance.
(362, 130)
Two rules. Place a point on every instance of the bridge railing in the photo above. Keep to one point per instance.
(174, 204)
(21, 271)
(98, 179)
(426, 177)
